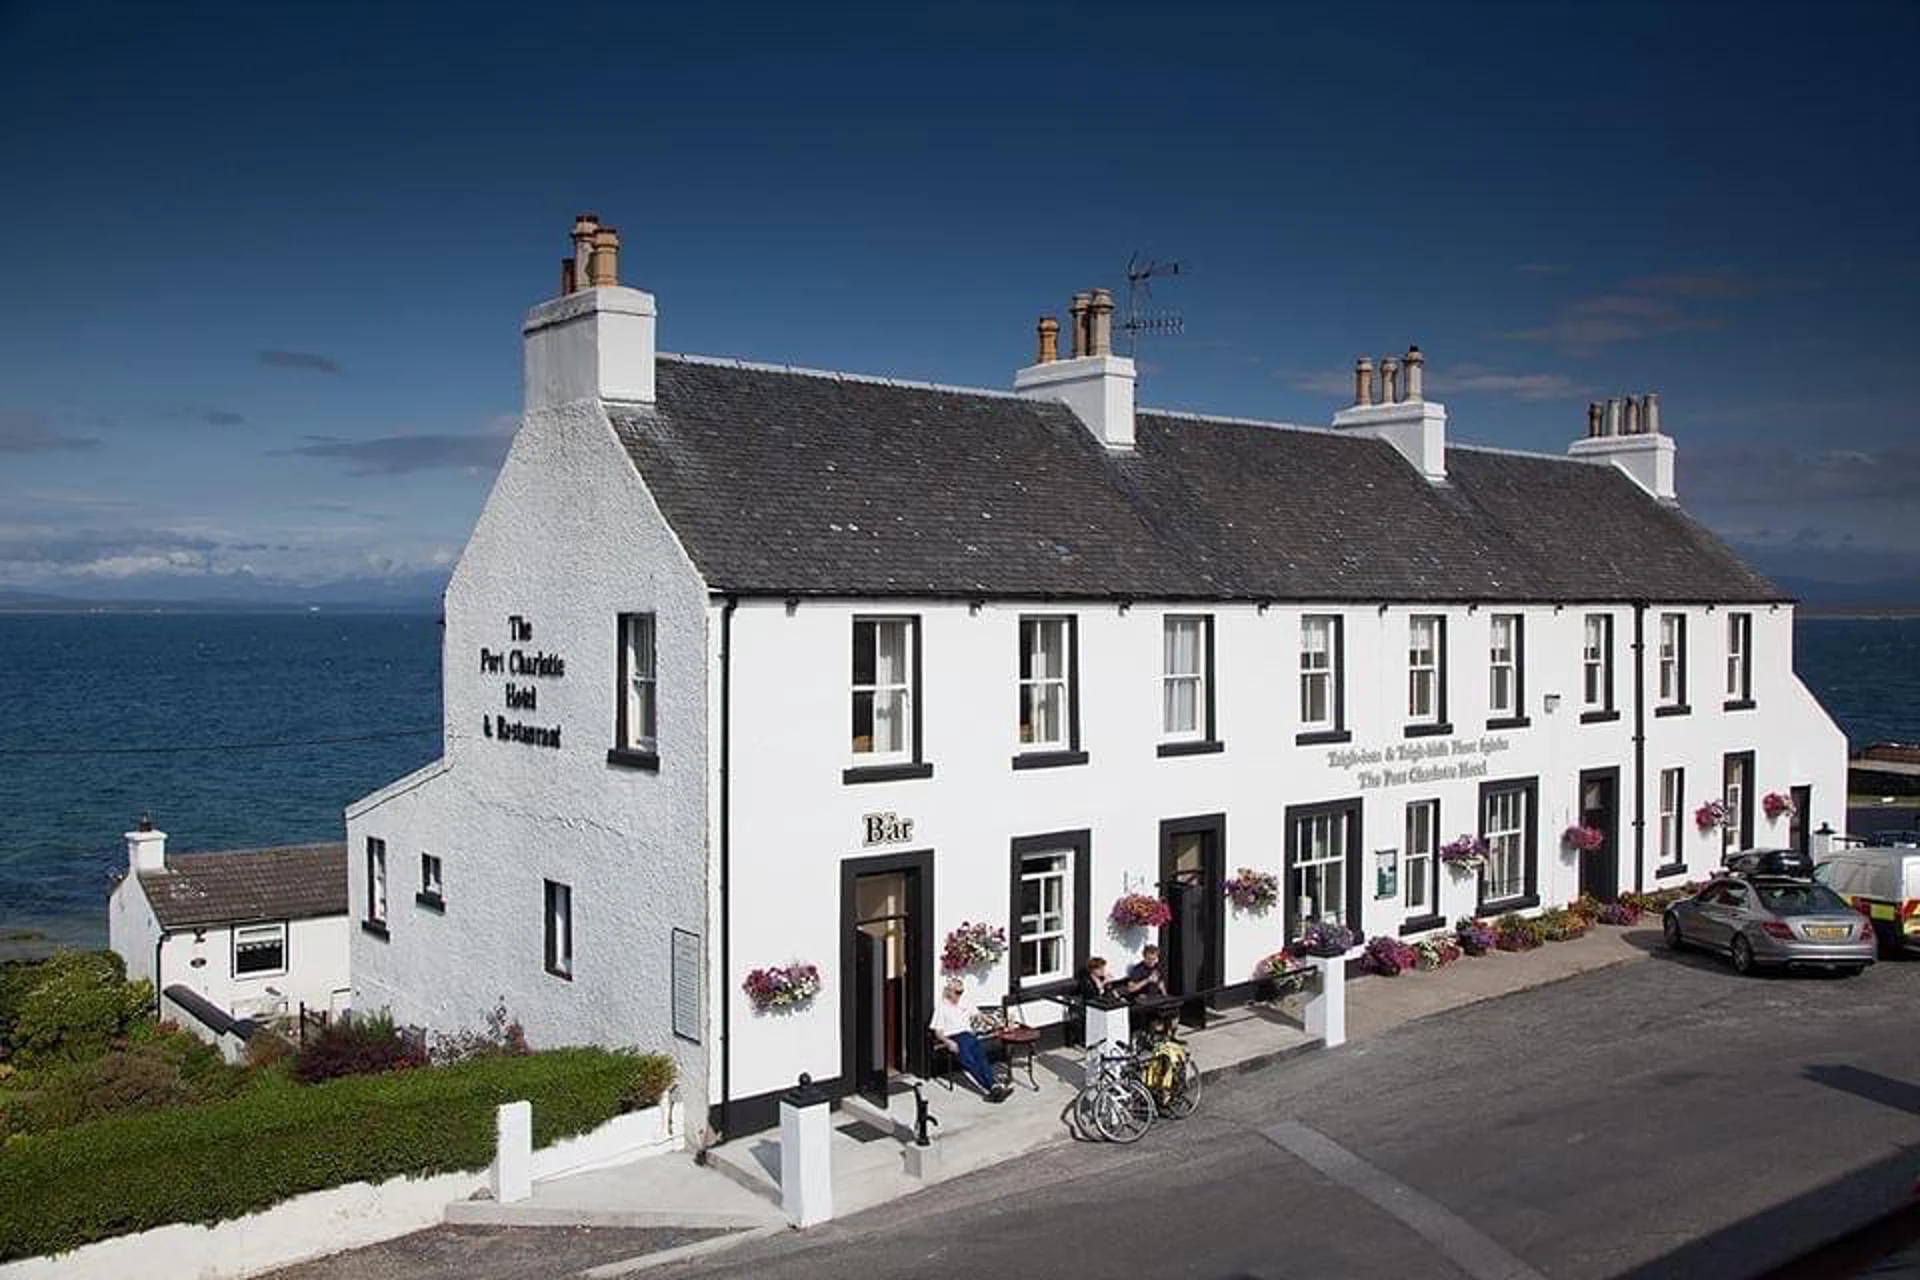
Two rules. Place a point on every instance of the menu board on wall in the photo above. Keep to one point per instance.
(686, 985)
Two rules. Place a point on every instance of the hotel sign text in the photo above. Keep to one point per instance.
(523, 667)
(1419, 761)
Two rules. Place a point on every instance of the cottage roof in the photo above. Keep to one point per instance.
(800, 483)
(293, 882)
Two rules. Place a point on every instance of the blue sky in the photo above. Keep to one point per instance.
(264, 265)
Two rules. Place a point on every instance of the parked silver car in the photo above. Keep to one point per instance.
(1764, 920)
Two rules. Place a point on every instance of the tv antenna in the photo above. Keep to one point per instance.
(1140, 320)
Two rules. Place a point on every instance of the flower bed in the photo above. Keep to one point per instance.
(1435, 953)
(1557, 924)
(1139, 911)
(1618, 913)
(1476, 937)
(973, 946)
(1388, 957)
(1253, 890)
(782, 986)
(1514, 932)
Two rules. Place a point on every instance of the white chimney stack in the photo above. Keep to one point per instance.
(1096, 384)
(1404, 418)
(1626, 434)
(146, 848)
(595, 341)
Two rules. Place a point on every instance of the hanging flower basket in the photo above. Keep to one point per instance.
(1466, 854)
(1253, 890)
(782, 986)
(1710, 815)
(1139, 911)
(973, 946)
(1586, 839)
(1777, 804)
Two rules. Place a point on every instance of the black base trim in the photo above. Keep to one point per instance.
(1598, 717)
(1422, 924)
(1322, 737)
(375, 928)
(1673, 709)
(1494, 910)
(432, 902)
(1048, 759)
(646, 760)
(1509, 722)
(1203, 748)
(1427, 730)
(1737, 704)
(1671, 869)
(886, 773)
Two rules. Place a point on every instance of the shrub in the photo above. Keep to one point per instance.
(652, 1075)
(72, 1005)
(355, 1047)
(502, 1036)
(1557, 924)
(1586, 906)
(1388, 957)
(1619, 913)
(1514, 932)
(267, 1049)
(206, 1163)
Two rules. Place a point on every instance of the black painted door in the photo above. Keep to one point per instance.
(870, 1015)
(1600, 868)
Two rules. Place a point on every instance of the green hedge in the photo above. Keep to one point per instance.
(208, 1163)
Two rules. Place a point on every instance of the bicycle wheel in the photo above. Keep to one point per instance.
(1184, 1094)
(1124, 1111)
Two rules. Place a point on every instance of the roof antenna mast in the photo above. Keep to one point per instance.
(1141, 272)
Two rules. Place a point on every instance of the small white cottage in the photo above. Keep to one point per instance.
(761, 682)
(233, 937)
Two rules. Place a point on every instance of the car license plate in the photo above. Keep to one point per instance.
(1826, 931)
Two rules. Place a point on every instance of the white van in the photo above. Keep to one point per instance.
(1884, 885)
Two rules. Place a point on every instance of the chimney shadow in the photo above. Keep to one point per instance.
(1901, 1095)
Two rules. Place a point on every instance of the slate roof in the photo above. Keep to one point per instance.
(293, 882)
(790, 482)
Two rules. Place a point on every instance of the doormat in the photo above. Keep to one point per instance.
(861, 1131)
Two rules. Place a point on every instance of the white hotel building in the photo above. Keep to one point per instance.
(748, 666)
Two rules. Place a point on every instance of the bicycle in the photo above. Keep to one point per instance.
(1168, 1071)
(1115, 1103)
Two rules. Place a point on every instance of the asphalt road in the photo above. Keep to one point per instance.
(1660, 1119)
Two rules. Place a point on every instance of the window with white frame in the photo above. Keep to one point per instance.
(1504, 695)
(1736, 794)
(1046, 912)
(259, 950)
(1673, 659)
(1426, 657)
(1046, 686)
(1418, 863)
(430, 887)
(376, 882)
(559, 930)
(637, 730)
(883, 674)
(1319, 672)
(1185, 702)
(1672, 813)
(1317, 868)
(1596, 664)
(1739, 657)
(1504, 825)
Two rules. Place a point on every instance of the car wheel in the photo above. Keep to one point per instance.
(1742, 956)
(1670, 929)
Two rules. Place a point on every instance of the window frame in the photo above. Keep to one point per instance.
(1528, 847)
(375, 921)
(557, 917)
(284, 934)
(1350, 813)
(1596, 670)
(1041, 755)
(1333, 727)
(432, 892)
(1077, 845)
(908, 762)
(1672, 810)
(1670, 666)
(1427, 914)
(1736, 792)
(1202, 737)
(1739, 690)
(1433, 720)
(636, 745)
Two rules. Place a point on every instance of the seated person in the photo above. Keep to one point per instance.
(1095, 982)
(953, 1024)
(1145, 979)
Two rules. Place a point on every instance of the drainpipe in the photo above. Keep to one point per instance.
(158, 986)
(1639, 747)
(726, 879)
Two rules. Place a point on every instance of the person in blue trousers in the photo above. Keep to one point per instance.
(953, 1024)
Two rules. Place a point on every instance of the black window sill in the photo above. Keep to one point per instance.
(1018, 993)
(1421, 924)
(432, 902)
(1671, 869)
(1525, 902)
(1509, 722)
(560, 974)
(1737, 704)
(1205, 747)
(1427, 730)
(1048, 759)
(1598, 717)
(378, 928)
(1322, 737)
(886, 772)
(1673, 709)
(646, 760)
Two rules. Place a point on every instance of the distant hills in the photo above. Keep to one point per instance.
(419, 593)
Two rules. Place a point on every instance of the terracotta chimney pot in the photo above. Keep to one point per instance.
(1077, 313)
(604, 270)
(1363, 381)
(1100, 324)
(1416, 367)
(1049, 331)
(584, 225)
